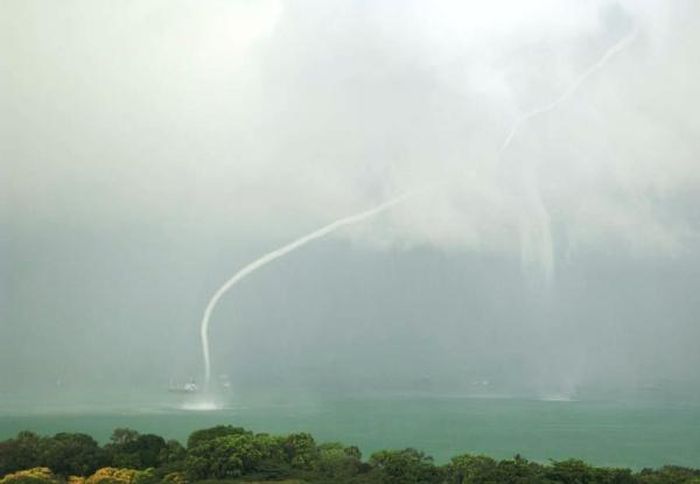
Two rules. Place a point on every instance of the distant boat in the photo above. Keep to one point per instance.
(189, 387)
(224, 382)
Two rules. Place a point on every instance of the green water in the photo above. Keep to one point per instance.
(602, 433)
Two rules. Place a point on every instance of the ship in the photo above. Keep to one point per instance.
(189, 387)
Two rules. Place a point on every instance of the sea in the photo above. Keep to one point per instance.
(606, 433)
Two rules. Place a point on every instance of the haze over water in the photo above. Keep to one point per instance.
(540, 297)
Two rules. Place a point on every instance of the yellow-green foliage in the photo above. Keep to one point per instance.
(113, 475)
(75, 480)
(37, 475)
(175, 478)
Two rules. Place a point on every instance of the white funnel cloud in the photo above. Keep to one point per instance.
(541, 237)
(536, 244)
(573, 87)
(276, 254)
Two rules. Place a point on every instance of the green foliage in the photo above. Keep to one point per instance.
(520, 471)
(64, 453)
(472, 469)
(171, 460)
(301, 450)
(199, 436)
(670, 474)
(480, 469)
(131, 450)
(571, 471)
(123, 435)
(231, 456)
(406, 466)
(337, 462)
(22, 452)
(614, 476)
(174, 478)
(234, 454)
(172, 453)
(72, 454)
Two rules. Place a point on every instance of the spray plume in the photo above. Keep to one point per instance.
(359, 217)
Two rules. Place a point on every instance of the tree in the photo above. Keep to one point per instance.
(475, 469)
(171, 458)
(148, 448)
(301, 450)
(231, 456)
(669, 474)
(199, 436)
(122, 439)
(123, 435)
(337, 462)
(614, 476)
(571, 471)
(406, 466)
(520, 470)
(22, 452)
(73, 454)
(129, 449)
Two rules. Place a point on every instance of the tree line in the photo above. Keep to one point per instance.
(234, 454)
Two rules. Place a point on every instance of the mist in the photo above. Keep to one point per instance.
(149, 150)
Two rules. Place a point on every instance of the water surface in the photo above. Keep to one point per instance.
(603, 433)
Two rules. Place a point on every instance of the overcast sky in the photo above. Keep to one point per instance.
(149, 149)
